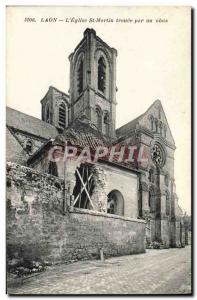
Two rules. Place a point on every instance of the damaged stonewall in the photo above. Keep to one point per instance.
(77, 187)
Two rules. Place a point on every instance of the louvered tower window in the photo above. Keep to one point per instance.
(47, 111)
(29, 146)
(101, 75)
(80, 77)
(62, 115)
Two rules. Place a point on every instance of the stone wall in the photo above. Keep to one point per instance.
(38, 228)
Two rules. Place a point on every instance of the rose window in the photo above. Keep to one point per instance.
(157, 155)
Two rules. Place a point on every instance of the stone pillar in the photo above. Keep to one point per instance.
(144, 199)
(158, 227)
(182, 233)
(145, 210)
(70, 180)
(99, 196)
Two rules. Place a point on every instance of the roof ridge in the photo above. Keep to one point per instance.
(30, 116)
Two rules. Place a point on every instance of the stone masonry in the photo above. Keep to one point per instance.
(39, 229)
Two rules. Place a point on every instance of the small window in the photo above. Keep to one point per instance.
(80, 77)
(165, 131)
(101, 75)
(115, 203)
(62, 115)
(156, 125)
(29, 146)
(159, 113)
(53, 168)
(57, 185)
(111, 206)
(160, 128)
(106, 124)
(8, 183)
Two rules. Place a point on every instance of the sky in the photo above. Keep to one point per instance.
(154, 62)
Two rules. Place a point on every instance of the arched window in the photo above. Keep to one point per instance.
(160, 128)
(29, 146)
(57, 185)
(165, 130)
(106, 124)
(80, 77)
(111, 205)
(151, 122)
(98, 118)
(151, 175)
(115, 203)
(53, 168)
(47, 113)
(156, 125)
(101, 74)
(167, 203)
(62, 115)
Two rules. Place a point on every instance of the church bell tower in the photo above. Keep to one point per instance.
(93, 83)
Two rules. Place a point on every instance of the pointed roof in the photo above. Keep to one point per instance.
(139, 122)
(26, 123)
(158, 103)
(52, 90)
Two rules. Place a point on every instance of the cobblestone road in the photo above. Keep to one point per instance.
(165, 271)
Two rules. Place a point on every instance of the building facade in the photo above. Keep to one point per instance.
(140, 190)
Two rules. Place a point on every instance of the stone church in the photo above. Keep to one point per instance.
(135, 198)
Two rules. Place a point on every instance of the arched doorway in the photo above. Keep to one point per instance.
(115, 203)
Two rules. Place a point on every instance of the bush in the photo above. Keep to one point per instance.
(156, 245)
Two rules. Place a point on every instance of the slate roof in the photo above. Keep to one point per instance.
(83, 133)
(27, 123)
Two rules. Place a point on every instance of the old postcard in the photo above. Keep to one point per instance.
(98, 166)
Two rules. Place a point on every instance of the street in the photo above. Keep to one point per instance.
(166, 271)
